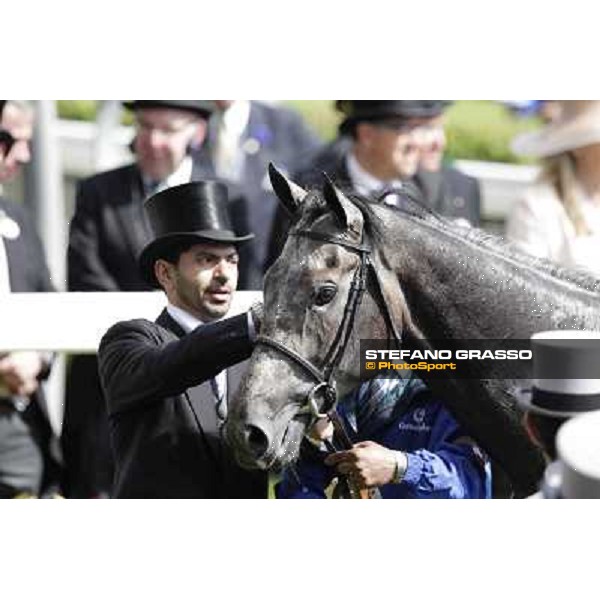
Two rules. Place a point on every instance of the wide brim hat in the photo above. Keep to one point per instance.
(356, 111)
(566, 367)
(202, 108)
(184, 215)
(578, 125)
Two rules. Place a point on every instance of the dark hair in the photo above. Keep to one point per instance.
(2, 103)
(171, 252)
(546, 429)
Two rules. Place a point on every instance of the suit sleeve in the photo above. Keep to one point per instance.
(137, 365)
(87, 271)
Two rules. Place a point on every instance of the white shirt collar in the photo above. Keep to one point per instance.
(182, 174)
(187, 321)
(363, 182)
(236, 117)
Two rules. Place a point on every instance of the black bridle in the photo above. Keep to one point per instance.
(325, 385)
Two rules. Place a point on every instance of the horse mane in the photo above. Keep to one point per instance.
(413, 207)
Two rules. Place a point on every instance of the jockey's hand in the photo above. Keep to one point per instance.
(368, 464)
(19, 372)
(322, 430)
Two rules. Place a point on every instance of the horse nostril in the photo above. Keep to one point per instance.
(257, 440)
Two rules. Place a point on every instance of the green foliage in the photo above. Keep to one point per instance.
(483, 130)
(476, 130)
(77, 110)
(319, 114)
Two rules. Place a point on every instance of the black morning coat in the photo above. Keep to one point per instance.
(108, 231)
(161, 408)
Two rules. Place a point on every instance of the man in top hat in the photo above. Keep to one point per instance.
(387, 144)
(566, 365)
(28, 466)
(167, 383)
(108, 231)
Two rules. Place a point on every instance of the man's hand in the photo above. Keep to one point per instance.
(368, 464)
(19, 371)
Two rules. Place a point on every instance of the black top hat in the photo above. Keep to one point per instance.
(185, 215)
(380, 110)
(566, 374)
(203, 108)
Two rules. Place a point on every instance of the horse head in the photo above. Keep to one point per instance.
(307, 351)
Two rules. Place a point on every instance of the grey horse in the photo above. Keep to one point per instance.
(429, 279)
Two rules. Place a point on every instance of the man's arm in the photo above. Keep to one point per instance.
(137, 365)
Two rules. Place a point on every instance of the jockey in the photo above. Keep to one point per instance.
(405, 442)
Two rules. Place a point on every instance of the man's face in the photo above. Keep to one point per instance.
(433, 143)
(19, 124)
(162, 139)
(204, 279)
(392, 147)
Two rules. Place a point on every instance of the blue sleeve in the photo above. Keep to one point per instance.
(448, 466)
(308, 479)
(448, 473)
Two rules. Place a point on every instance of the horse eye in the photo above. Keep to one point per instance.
(325, 295)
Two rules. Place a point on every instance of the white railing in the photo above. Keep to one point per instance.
(75, 322)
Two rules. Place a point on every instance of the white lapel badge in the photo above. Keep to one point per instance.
(9, 228)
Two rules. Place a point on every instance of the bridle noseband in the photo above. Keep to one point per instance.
(325, 385)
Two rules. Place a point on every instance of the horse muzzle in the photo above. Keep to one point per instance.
(267, 443)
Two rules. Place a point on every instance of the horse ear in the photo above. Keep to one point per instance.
(348, 216)
(290, 194)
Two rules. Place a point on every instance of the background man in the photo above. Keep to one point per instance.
(27, 466)
(378, 150)
(167, 383)
(243, 138)
(108, 231)
(446, 189)
(563, 388)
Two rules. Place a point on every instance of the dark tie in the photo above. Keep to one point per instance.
(220, 400)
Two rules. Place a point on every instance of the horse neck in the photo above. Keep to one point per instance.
(457, 286)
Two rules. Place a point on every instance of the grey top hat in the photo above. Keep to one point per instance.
(202, 108)
(566, 374)
(578, 447)
(187, 214)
